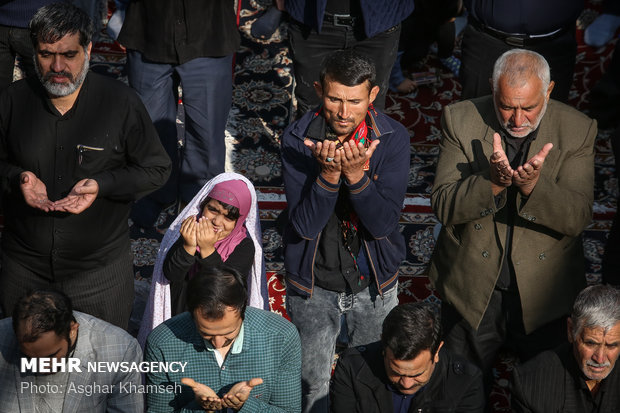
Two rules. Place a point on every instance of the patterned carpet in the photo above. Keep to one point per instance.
(262, 99)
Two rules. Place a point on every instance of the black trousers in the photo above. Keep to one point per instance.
(479, 51)
(501, 326)
(310, 48)
(14, 41)
(106, 293)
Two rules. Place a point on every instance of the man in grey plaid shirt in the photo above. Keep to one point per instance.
(238, 359)
(50, 337)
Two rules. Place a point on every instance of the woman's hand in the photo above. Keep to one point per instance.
(206, 237)
(188, 232)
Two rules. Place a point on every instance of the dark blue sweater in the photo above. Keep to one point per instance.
(17, 13)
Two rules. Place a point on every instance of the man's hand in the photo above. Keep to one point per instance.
(353, 159)
(34, 191)
(205, 396)
(82, 195)
(188, 232)
(239, 393)
(526, 176)
(328, 158)
(501, 172)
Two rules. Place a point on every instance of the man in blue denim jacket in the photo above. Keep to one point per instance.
(345, 169)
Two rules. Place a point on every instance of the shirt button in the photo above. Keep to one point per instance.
(485, 254)
(542, 256)
(60, 177)
(223, 367)
(61, 148)
(478, 227)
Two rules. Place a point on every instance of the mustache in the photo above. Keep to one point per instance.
(593, 364)
(63, 73)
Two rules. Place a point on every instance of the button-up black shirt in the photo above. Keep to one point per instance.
(107, 136)
(177, 31)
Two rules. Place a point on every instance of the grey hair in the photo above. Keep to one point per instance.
(597, 306)
(518, 65)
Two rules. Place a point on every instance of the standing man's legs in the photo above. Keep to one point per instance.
(207, 98)
(309, 49)
(317, 319)
(16, 281)
(365, 317)
(153, 82)
(106, 293)
(381, 50)
(14, 41)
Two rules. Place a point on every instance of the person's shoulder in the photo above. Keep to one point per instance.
(566, 112)
(297, 129)
(460, 367)
(360, 354)
(108, 87)
(8, 341)
(176, 329)
(101, 332)
(543, 364)
(267, 323)
(480, 105)
(386, 123)
(20, 89)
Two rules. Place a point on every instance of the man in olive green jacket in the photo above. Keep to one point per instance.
(514, 191)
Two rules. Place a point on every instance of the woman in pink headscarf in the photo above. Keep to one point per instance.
(217, 234)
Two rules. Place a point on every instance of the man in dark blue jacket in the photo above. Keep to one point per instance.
(345, 169)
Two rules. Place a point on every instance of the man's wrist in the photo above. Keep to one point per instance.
(331, 177)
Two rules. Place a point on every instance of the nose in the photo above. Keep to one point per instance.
(518, 117)
(407, 382)
(343, 110)
(217, 220)
(218, 342)
(57, 63)
(599, 355)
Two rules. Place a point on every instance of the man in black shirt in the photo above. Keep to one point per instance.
(75, 150)
(579, 377)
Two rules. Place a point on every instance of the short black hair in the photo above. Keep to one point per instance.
(54, 21)
(232, 212)
(349, 68)
(411, 328)
(213, 289)
(41, 311)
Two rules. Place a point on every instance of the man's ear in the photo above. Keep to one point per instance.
(73, 331)
(373, 93)
(436, 358)
(549, 89)
(318, 88)
(569, 329)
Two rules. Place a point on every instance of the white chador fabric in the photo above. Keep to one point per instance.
(158, 306)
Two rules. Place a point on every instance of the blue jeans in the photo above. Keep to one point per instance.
(318, 320)
(207, 98)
